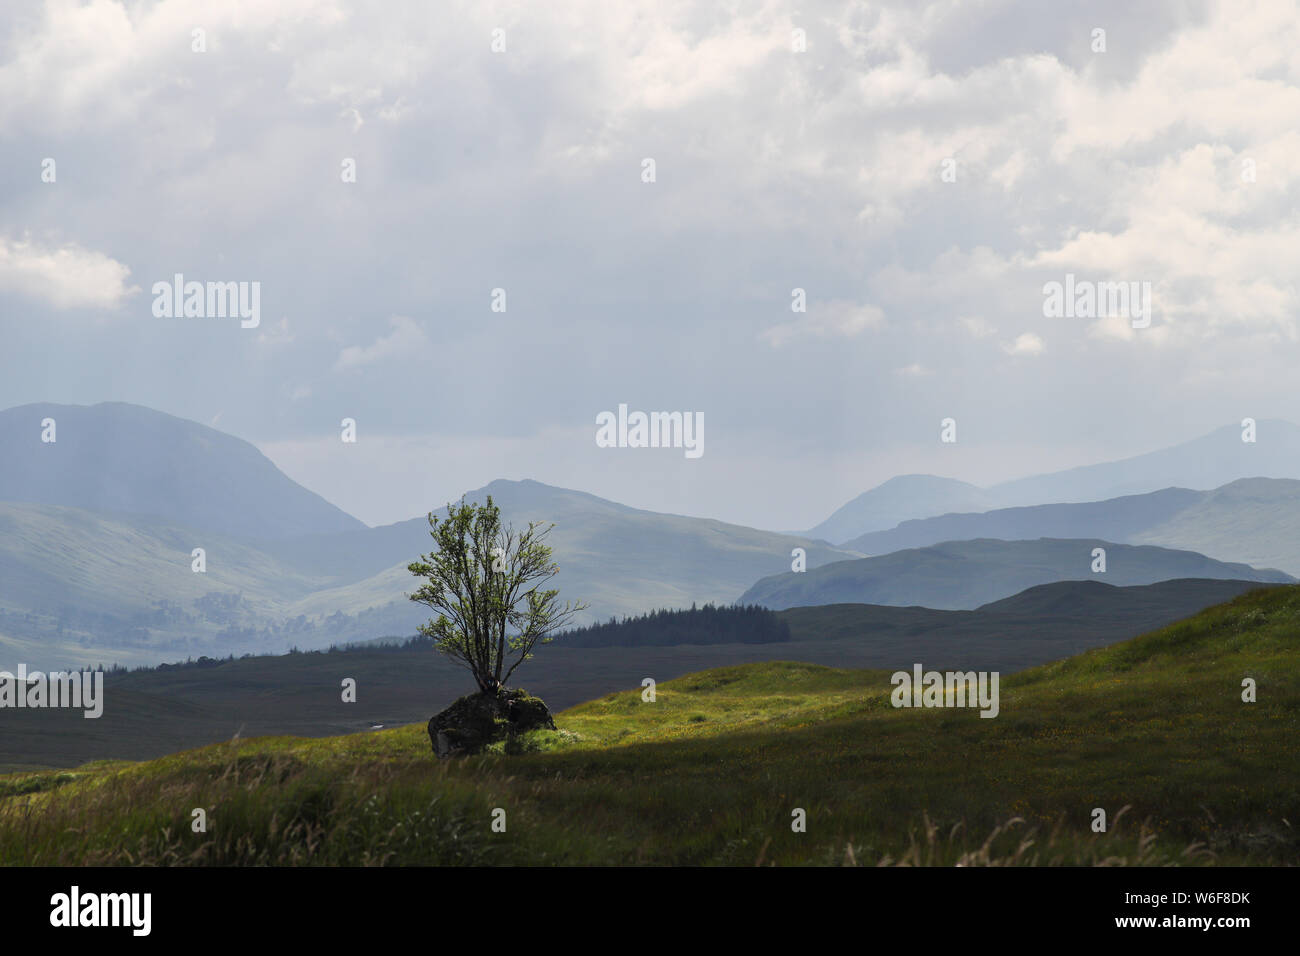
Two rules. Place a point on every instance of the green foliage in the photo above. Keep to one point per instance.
(486, 584)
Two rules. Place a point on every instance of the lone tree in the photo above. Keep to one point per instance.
(486, 585)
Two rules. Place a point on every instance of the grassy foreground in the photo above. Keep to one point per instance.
(1153, 730)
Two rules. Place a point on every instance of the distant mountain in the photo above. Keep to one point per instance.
(1040, 624)
(899, 499)
(97, 530)
(126, 459)
(356, 554)
(1144, 606)
(1204, 463)
(80, 586)
(1116, 519)
(966, 574)
(1255, 521)
(621, 560)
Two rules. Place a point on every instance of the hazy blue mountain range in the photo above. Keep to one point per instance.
(621, 560)
(966, 574)
(77, 585)
(1253, 520)
(121, 458)
(1204, 463)
(897, 500)
(97, 532)
(1116, 519)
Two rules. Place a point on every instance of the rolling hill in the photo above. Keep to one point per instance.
(1254, 521)
(1041, 624)
(116, 458)
(1153, 730)
(901, 499)
(1203, 463)
(1116, 519)
(82, 587)
(156, 711)
(1210, 461)
(86, 587)
(965, 574)
(621, 560)
(97, 530)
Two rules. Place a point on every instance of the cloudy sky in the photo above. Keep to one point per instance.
(919, 170)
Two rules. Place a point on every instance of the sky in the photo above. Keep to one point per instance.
(914, 174)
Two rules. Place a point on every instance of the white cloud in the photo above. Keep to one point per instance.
(275, 335)
(406, 338)
(101, 63)
(776, 169)
(977, 326)
(1027, 343)
(65, 276)
(834, 319)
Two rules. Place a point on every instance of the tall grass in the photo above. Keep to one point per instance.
(1153, 731)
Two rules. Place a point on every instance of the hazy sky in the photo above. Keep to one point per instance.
(1169, 158)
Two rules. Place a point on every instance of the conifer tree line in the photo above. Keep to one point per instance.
(729, 624)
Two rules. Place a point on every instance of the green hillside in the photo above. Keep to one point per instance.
(77, 586)
(1253, 521)
(115, 458)
(962, 575)
(1153, 730)
(81, 587)
(1211, 461)
(621, 560)
(154, 712)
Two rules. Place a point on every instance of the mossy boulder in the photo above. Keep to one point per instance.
(477, 720)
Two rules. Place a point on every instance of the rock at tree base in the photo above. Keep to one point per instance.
(476, 720)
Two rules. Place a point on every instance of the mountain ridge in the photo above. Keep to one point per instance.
(1254, 521)
(1210, 461)
(963, 575)
(125, 459)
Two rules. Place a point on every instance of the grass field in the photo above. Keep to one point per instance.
(1153, 730)
(152, 713)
